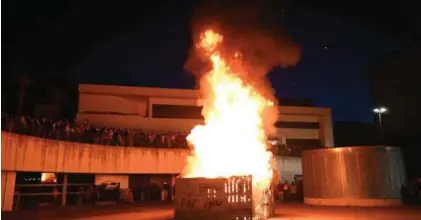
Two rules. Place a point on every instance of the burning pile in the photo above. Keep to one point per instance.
(232, 142)
(230, 171)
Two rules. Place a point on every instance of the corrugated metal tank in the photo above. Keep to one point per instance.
(353, 176)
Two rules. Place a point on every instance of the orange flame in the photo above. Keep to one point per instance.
(48, 177)
(232, 142)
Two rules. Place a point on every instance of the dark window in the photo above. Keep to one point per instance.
(304, 142)
(296, 124)
(295, 102)
(104, 113)
(176, 111)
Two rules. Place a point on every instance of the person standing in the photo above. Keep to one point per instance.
(286, 190)
(280, 191)
(56, 200)
(164, 194)
(80, 196)
(293, 191)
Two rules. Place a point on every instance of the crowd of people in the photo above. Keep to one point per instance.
(86, 133)
(147, 192)
(289, 191)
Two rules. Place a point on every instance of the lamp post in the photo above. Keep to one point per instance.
(380, 111)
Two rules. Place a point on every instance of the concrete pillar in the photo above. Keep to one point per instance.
(64, 191)
(172, 186)
(8, 180)
(326, 131)
(173, 179)
(149, 108)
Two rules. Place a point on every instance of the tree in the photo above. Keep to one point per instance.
(56, 95)
(24, 81)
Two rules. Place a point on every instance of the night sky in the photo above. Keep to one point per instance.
(134, 43)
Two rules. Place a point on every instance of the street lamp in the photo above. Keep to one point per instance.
(379, 111)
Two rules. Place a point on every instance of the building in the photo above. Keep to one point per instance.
(153, 109)
(180, 110)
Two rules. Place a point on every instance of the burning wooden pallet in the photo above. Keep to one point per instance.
(221, 198)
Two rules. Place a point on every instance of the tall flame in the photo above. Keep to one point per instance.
(232, 142)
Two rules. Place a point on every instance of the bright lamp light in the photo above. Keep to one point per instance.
(380, 110)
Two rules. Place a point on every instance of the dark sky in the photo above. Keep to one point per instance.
(146, 44)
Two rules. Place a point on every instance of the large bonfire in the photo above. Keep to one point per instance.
(233, 140)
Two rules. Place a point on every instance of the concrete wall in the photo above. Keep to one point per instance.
(24, 153)
(288, 167)
(131, 107)
(311, 114)
(135, 101)
(7, 190)
(138, 91)
(113, 104)
(177, 125)
(137, 122)
(353, 176)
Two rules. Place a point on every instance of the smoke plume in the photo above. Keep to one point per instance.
(252, 43)
(247, 28)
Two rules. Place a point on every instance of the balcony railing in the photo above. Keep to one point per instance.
(136, 138)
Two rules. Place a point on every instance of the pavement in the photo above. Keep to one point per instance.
(165, 212)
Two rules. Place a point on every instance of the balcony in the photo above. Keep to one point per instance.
(26, 153)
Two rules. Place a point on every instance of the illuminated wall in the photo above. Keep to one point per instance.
(20, 153)
(25, 153)
(354, 176)
(132, 107)
(111, 104)
(137, 122)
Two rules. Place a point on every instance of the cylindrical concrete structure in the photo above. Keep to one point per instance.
(353, 176)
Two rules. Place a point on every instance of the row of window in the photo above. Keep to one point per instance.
(297, 124)
(194, 112)
(304, 142)
(297, 142)
(177, 111)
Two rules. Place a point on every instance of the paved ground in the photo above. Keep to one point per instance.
(165, 212)
(302, 212)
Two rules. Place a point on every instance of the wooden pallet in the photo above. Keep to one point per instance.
(220, 198)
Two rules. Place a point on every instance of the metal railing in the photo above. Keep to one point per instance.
(35, 194)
